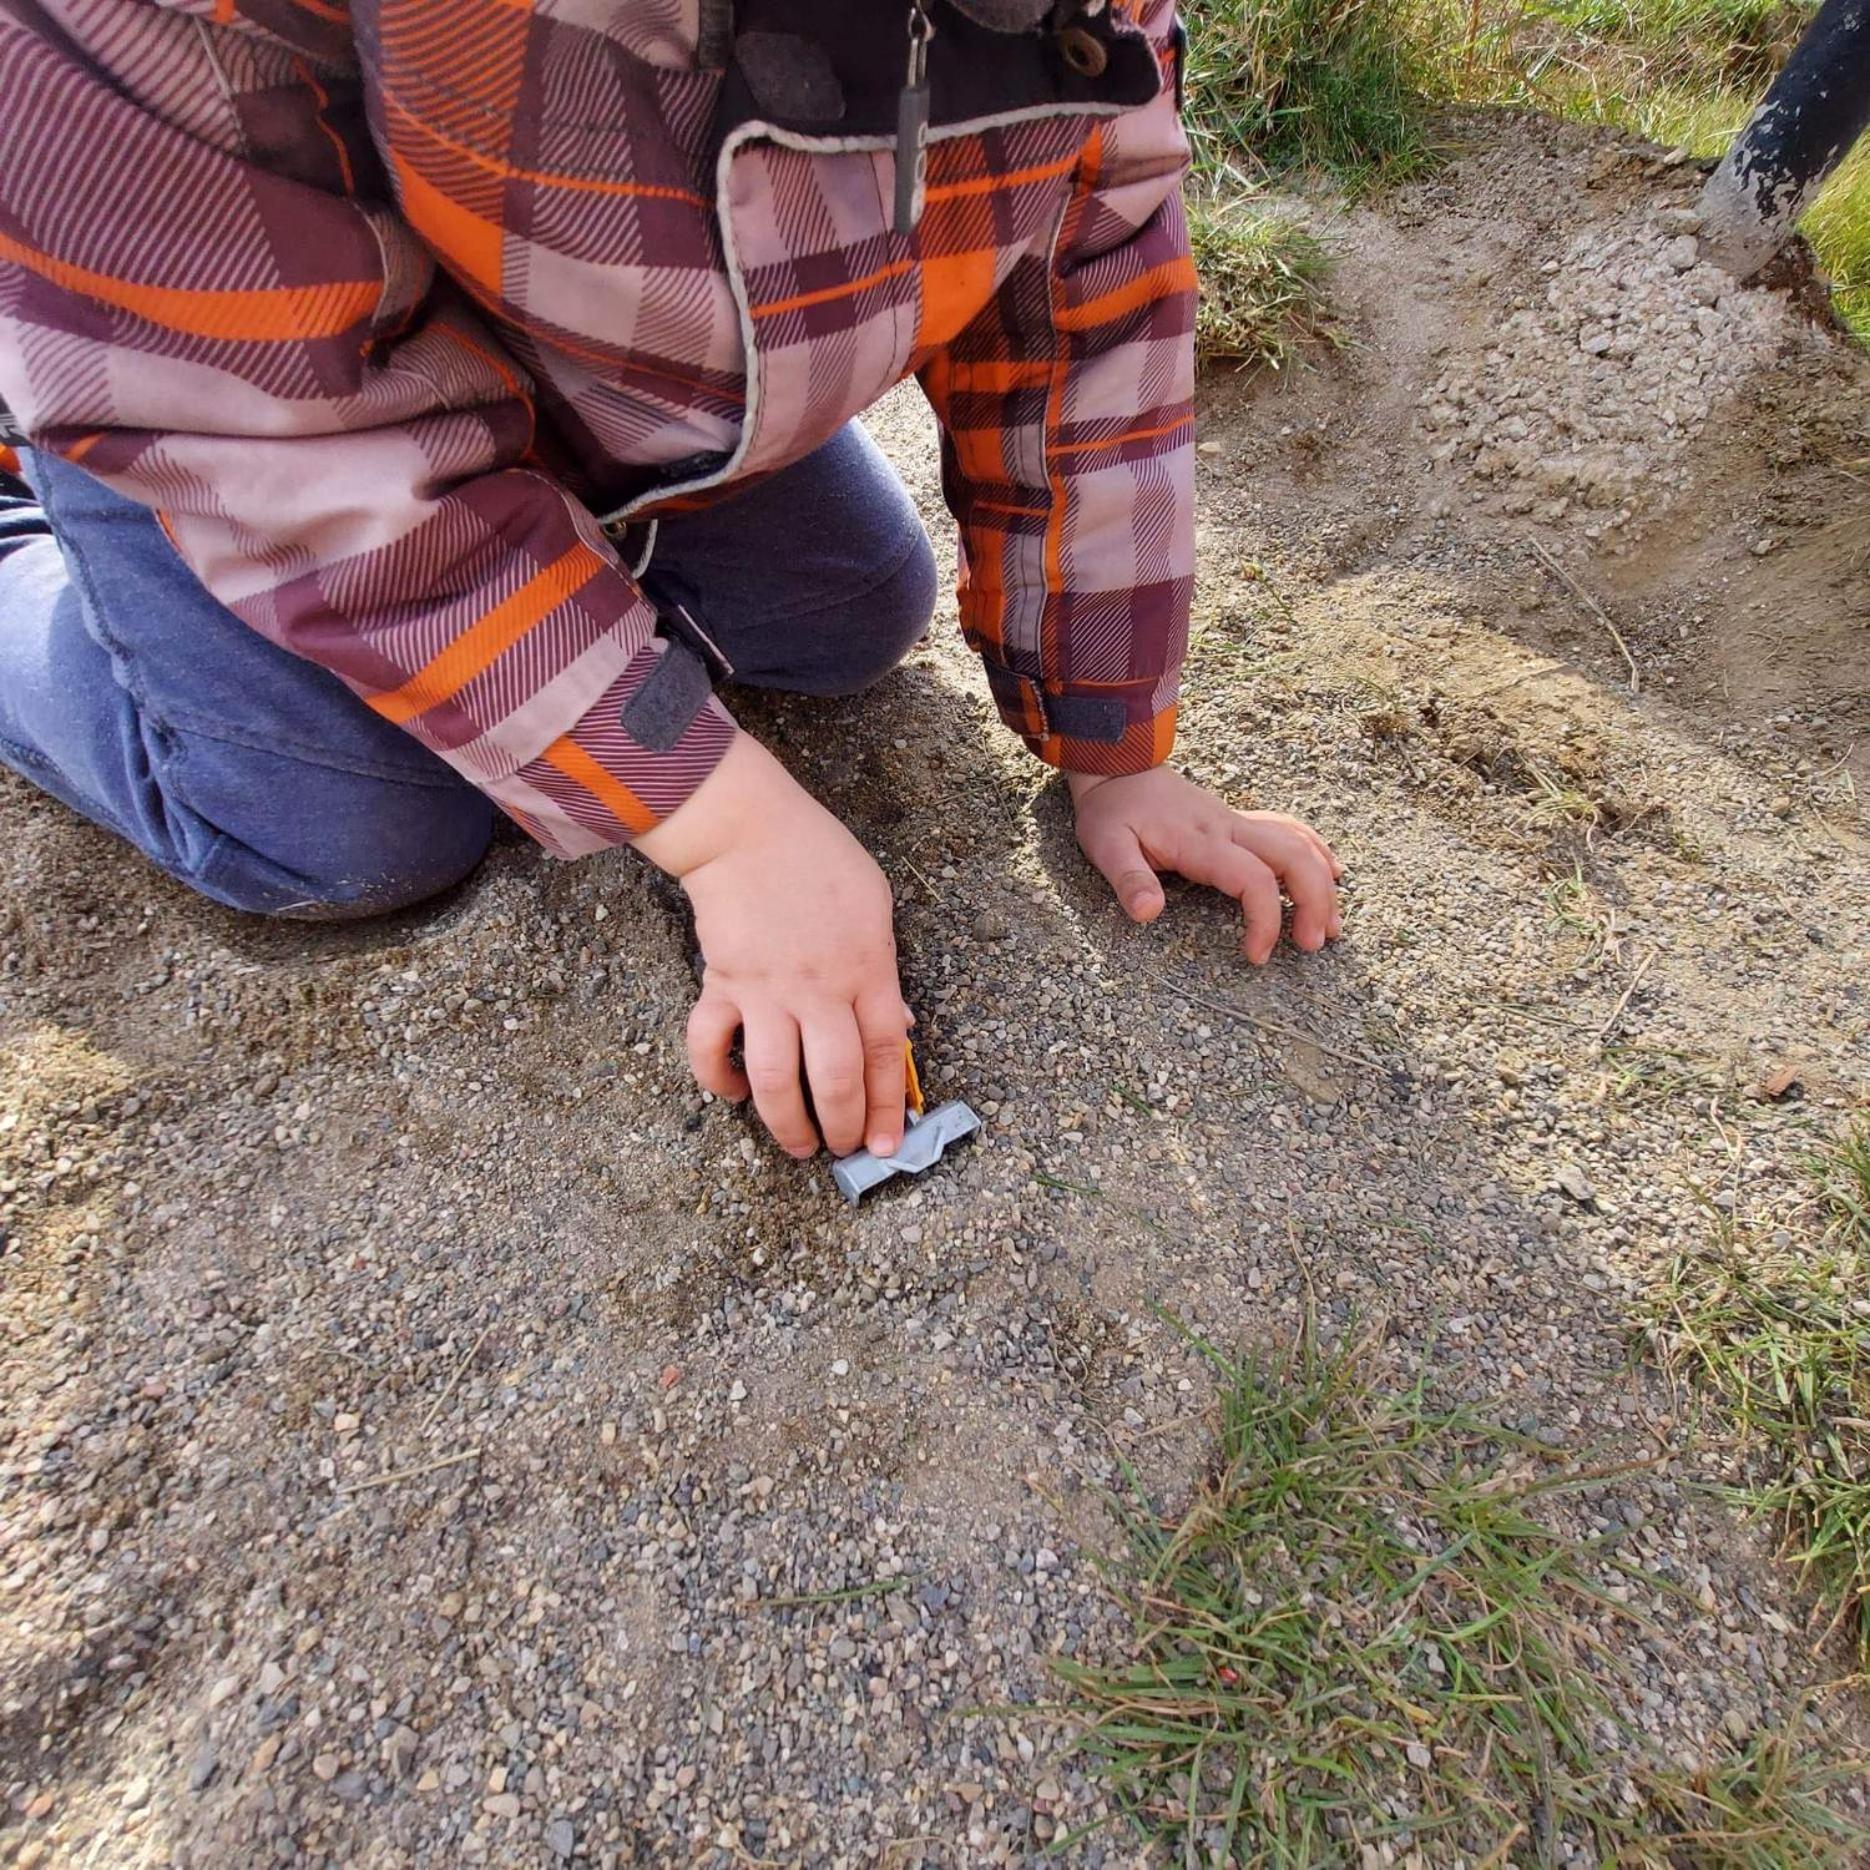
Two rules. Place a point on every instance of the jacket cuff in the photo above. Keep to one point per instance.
(1113, 728)
(602, 784)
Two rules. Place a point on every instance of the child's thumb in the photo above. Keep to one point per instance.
(1119, 856)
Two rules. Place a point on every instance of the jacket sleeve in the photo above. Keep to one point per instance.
(201, 304)
(1067, 418)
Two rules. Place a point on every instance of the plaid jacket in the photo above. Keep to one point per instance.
(387, 309)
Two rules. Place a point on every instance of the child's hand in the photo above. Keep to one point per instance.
(1131, 827)
(795, 924)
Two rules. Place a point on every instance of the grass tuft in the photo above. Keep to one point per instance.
(1780, 1339)
(1262, 284)
(1366, 1631)
(1838, 226)
(1334, 85)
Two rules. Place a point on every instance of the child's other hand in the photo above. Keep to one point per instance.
(796, 928)
(1134, 826)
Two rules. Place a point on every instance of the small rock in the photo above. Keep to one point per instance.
(1682, 253)
(1419, 1755)
(223, 1690)
(325, 1767)
(350, 1787)
(990, 925)
(136, 1793)
(1572, 1180)
(560, 1837)
(1679, 221)
(501, 1805)
(203, 1767)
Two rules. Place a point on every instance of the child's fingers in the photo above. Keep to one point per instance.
(1114, 849)
(834, 1062)
(711, 1029)
(1303, 872)
(772, 1049)
(1238, 873)
(884, 1028)
(1280, 821)
(1332, 861)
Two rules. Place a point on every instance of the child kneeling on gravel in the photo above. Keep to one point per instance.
(421, 411)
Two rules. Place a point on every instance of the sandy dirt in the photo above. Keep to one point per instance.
(418, 1400)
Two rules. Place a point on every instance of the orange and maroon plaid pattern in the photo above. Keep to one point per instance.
(380, 306)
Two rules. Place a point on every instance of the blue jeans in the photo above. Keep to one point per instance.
(260, 780)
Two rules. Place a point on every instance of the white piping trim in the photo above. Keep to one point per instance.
(756, 131)
(648, 552)
(737, 284)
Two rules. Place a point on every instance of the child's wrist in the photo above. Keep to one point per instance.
(1082, 785)
(744, 789)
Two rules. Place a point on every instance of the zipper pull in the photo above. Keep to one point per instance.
(912, 121)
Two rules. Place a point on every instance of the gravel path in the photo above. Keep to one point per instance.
(434, 1436)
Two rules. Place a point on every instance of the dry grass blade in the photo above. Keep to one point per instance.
(418, 1472)
(1591, 604)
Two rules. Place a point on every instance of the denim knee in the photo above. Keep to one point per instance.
(409, 844)
(893, 617)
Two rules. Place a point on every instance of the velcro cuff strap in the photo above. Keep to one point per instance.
(666, 702)
(1087, 717)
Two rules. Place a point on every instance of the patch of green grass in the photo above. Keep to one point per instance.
(1556, 803)
(1838, 226)
(1763, 1808)
(1697, 45)
(1262, 283)
(1365, 1629)
(1780, 1339)
(1338, 85)
(1348, 86)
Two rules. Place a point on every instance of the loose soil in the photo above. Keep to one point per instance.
(419, 1401)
